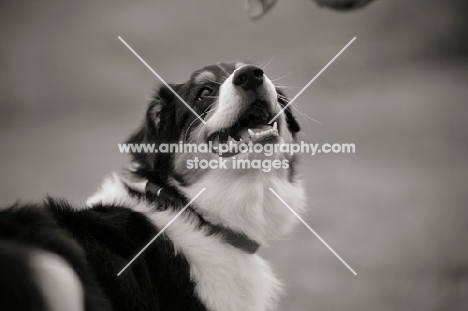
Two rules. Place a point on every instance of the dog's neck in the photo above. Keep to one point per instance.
(240, 203)
(243, 202)
(153, 192)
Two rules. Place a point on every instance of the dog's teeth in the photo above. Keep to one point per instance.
(251, 133)
(240, 138)
(275, 126)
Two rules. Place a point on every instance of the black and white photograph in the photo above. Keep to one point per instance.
(241, 155)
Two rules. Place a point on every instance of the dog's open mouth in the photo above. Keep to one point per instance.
(252, 126)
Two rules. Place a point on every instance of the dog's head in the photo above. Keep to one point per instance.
(236, 102)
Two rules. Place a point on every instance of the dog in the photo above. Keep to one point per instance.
(63, 257)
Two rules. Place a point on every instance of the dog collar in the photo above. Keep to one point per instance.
(236, 239)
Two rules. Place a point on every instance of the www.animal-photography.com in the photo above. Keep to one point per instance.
(247, 155)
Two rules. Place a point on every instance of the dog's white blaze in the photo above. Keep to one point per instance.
(227, 109)
(225, 277)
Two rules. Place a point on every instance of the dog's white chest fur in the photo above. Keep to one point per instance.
(226, 278)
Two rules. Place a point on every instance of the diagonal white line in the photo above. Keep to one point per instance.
(162, 80)
(310, 82)
(312, 230)
(160, 232)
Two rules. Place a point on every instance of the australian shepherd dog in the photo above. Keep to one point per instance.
(54, 256)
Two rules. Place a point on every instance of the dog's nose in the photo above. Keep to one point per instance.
(248, 77)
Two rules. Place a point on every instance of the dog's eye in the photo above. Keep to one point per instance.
(204, 92)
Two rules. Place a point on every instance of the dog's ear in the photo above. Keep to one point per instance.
(158, 127)
(293, 125)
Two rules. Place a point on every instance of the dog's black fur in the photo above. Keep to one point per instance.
(97, 243)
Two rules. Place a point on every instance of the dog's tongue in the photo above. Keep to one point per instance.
(244, 133)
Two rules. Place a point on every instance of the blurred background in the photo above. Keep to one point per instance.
(396, 210)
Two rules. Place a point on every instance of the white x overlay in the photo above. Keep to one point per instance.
(313, 231)
(162, 80)
(201, 119)
(310, 82)
(160, 232)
